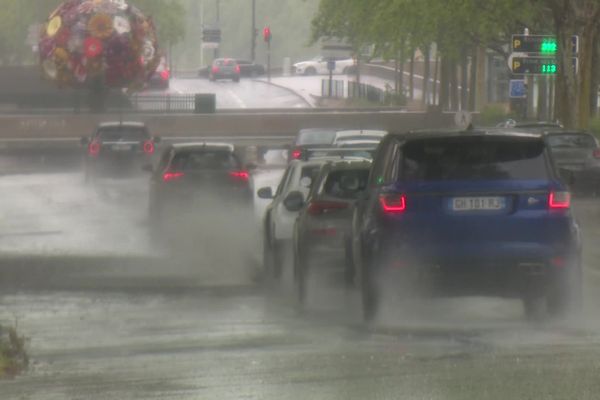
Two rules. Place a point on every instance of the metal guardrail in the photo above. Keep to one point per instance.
(333, 88)
(364, 91)
(164, 103)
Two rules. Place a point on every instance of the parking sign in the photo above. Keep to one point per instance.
(518, 89)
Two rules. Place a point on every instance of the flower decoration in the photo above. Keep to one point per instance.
(54, 26)
(92, 47)
(101, 26)
(87, 40)
(121, 25)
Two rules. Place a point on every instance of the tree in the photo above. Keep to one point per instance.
(573, 91)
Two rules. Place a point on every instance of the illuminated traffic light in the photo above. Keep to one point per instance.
(267, 34)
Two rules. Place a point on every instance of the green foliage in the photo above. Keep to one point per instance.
(169, 17)
(493, 114)
(595, 126)
(452, 24)
(13, 358)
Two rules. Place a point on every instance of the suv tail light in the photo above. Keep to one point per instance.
(393, 203)
(94, 148)
(597, 153)
(172, 176)
(296, 154)
(559, 200)
(321, 207)
(149, 147)
(243, 176)
(215, 70)
(237, 69)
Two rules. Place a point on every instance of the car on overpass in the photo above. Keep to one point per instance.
(250, 68)
(319, 66)
(468, 213)
(225, 68)
(161, 78)
(118, 149)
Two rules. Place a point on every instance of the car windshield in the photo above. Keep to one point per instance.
(346, 184)
(124, 134)
(473, 159)
(204, 160)
(575, 141)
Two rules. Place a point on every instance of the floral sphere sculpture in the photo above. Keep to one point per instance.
(87, 42)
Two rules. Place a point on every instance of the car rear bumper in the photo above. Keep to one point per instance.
(498, 269)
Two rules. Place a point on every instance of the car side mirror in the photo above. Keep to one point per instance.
(157, 139)
(265, 193)
(294, 201)
(251, 166)
(84, 141)
(148, 168)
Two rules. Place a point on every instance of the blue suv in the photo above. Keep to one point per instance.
(468, 213)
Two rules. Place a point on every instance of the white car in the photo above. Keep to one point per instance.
(280, 215)
(318, 66)
(358, 135)
(267, 174)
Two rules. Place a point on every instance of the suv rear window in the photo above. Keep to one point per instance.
(122, 133)
(573, 140)
(338, 183)
(473, 158)
(204, 160)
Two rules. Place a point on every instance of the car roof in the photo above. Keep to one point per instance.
(454, 133)
(359, 132)
(116, 124)
(312, 130)
(349, 164)
(203, 146)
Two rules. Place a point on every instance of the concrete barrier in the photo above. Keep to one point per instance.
(61, 127)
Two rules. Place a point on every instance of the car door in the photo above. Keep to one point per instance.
(322, 66)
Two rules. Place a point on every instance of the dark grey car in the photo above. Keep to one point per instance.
(577, 156)
(118, 149)
(322, 232)
(225, 68)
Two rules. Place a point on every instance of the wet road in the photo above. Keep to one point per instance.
(247, 93)
(164, 328)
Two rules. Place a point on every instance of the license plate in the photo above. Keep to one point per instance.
(478, 203)
(121, 147)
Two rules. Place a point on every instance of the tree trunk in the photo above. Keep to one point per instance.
(436, 78)
(453, 85)
(573, 90)
(542, 108)
(444, 78)
(595, 81)
(401, 71)
(473, 80)
(411, 82)
(464, 80)
(426, 74)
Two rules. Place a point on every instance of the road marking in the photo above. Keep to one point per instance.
(237, 99)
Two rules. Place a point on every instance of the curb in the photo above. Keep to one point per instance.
(290, 90)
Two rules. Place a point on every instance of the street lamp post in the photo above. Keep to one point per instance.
(253, 36)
